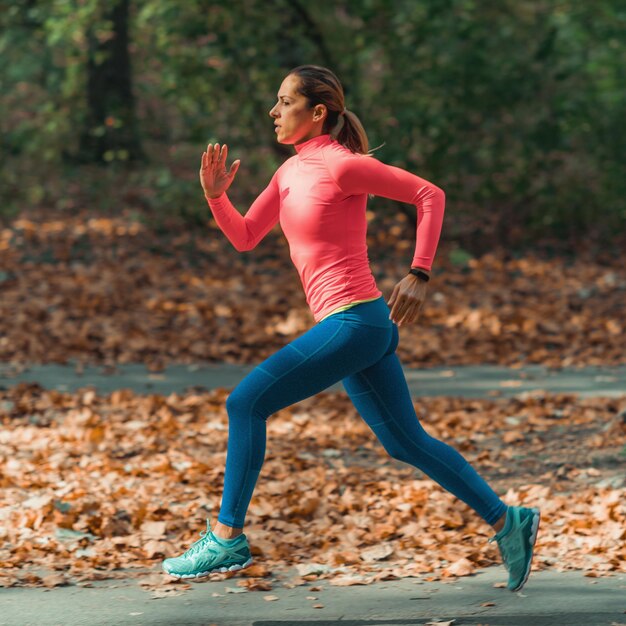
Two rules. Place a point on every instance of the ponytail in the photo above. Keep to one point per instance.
(351, 134)
(321, 86)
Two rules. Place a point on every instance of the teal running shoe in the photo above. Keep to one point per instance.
(210, 554)
(516, 541)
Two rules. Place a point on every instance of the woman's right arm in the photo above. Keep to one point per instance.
(244, 232)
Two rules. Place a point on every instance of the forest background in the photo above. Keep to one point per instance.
(514, 108)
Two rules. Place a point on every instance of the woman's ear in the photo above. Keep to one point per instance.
(320, 111)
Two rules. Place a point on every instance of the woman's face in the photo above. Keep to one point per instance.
(294, 122)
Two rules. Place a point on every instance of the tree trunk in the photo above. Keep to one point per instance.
(110, 132)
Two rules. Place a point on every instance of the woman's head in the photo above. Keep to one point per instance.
(310, 103)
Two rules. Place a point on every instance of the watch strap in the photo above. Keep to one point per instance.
(420, 274)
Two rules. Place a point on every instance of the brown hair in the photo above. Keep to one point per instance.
(321, 86)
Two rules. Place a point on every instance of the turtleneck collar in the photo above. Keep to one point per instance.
(312, 145)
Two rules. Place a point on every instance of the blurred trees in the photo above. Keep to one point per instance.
(110, 101)
(513, 108)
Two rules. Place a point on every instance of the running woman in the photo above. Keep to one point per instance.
(319, 197)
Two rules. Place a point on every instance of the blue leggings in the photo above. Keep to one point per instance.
(356, 346)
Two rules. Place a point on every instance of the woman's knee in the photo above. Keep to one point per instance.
(241, 404)
(409, 451)
(238, 403)
(394, 452)
(410, 457)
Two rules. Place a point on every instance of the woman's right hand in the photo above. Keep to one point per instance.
(214, 178)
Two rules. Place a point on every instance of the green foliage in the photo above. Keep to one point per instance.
(459, 257)
(513, 108)
(174, 197)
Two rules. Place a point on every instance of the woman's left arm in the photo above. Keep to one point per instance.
(363, 174)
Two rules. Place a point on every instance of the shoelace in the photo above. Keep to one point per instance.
(196, 545)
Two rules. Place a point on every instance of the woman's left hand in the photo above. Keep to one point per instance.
(407, 299)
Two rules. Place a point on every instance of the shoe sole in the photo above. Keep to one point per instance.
(534, 530)
(192, 577)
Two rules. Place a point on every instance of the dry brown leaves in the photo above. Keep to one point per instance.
(97, 487)
(109, 290)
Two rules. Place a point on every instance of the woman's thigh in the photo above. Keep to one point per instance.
(327, 353)
(381, 395)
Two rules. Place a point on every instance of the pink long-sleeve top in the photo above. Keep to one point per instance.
(319, 197)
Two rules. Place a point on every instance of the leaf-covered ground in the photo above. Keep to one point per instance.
(111, 290)
(96, 486)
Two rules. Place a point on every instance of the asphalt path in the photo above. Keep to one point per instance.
(551, 598)
(472, 381)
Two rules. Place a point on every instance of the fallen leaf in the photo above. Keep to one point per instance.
(255, 584)
(152, 529)
(462, 567)
(54, 580)
(377, 553)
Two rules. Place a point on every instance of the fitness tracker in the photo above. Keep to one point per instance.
(423, 275)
